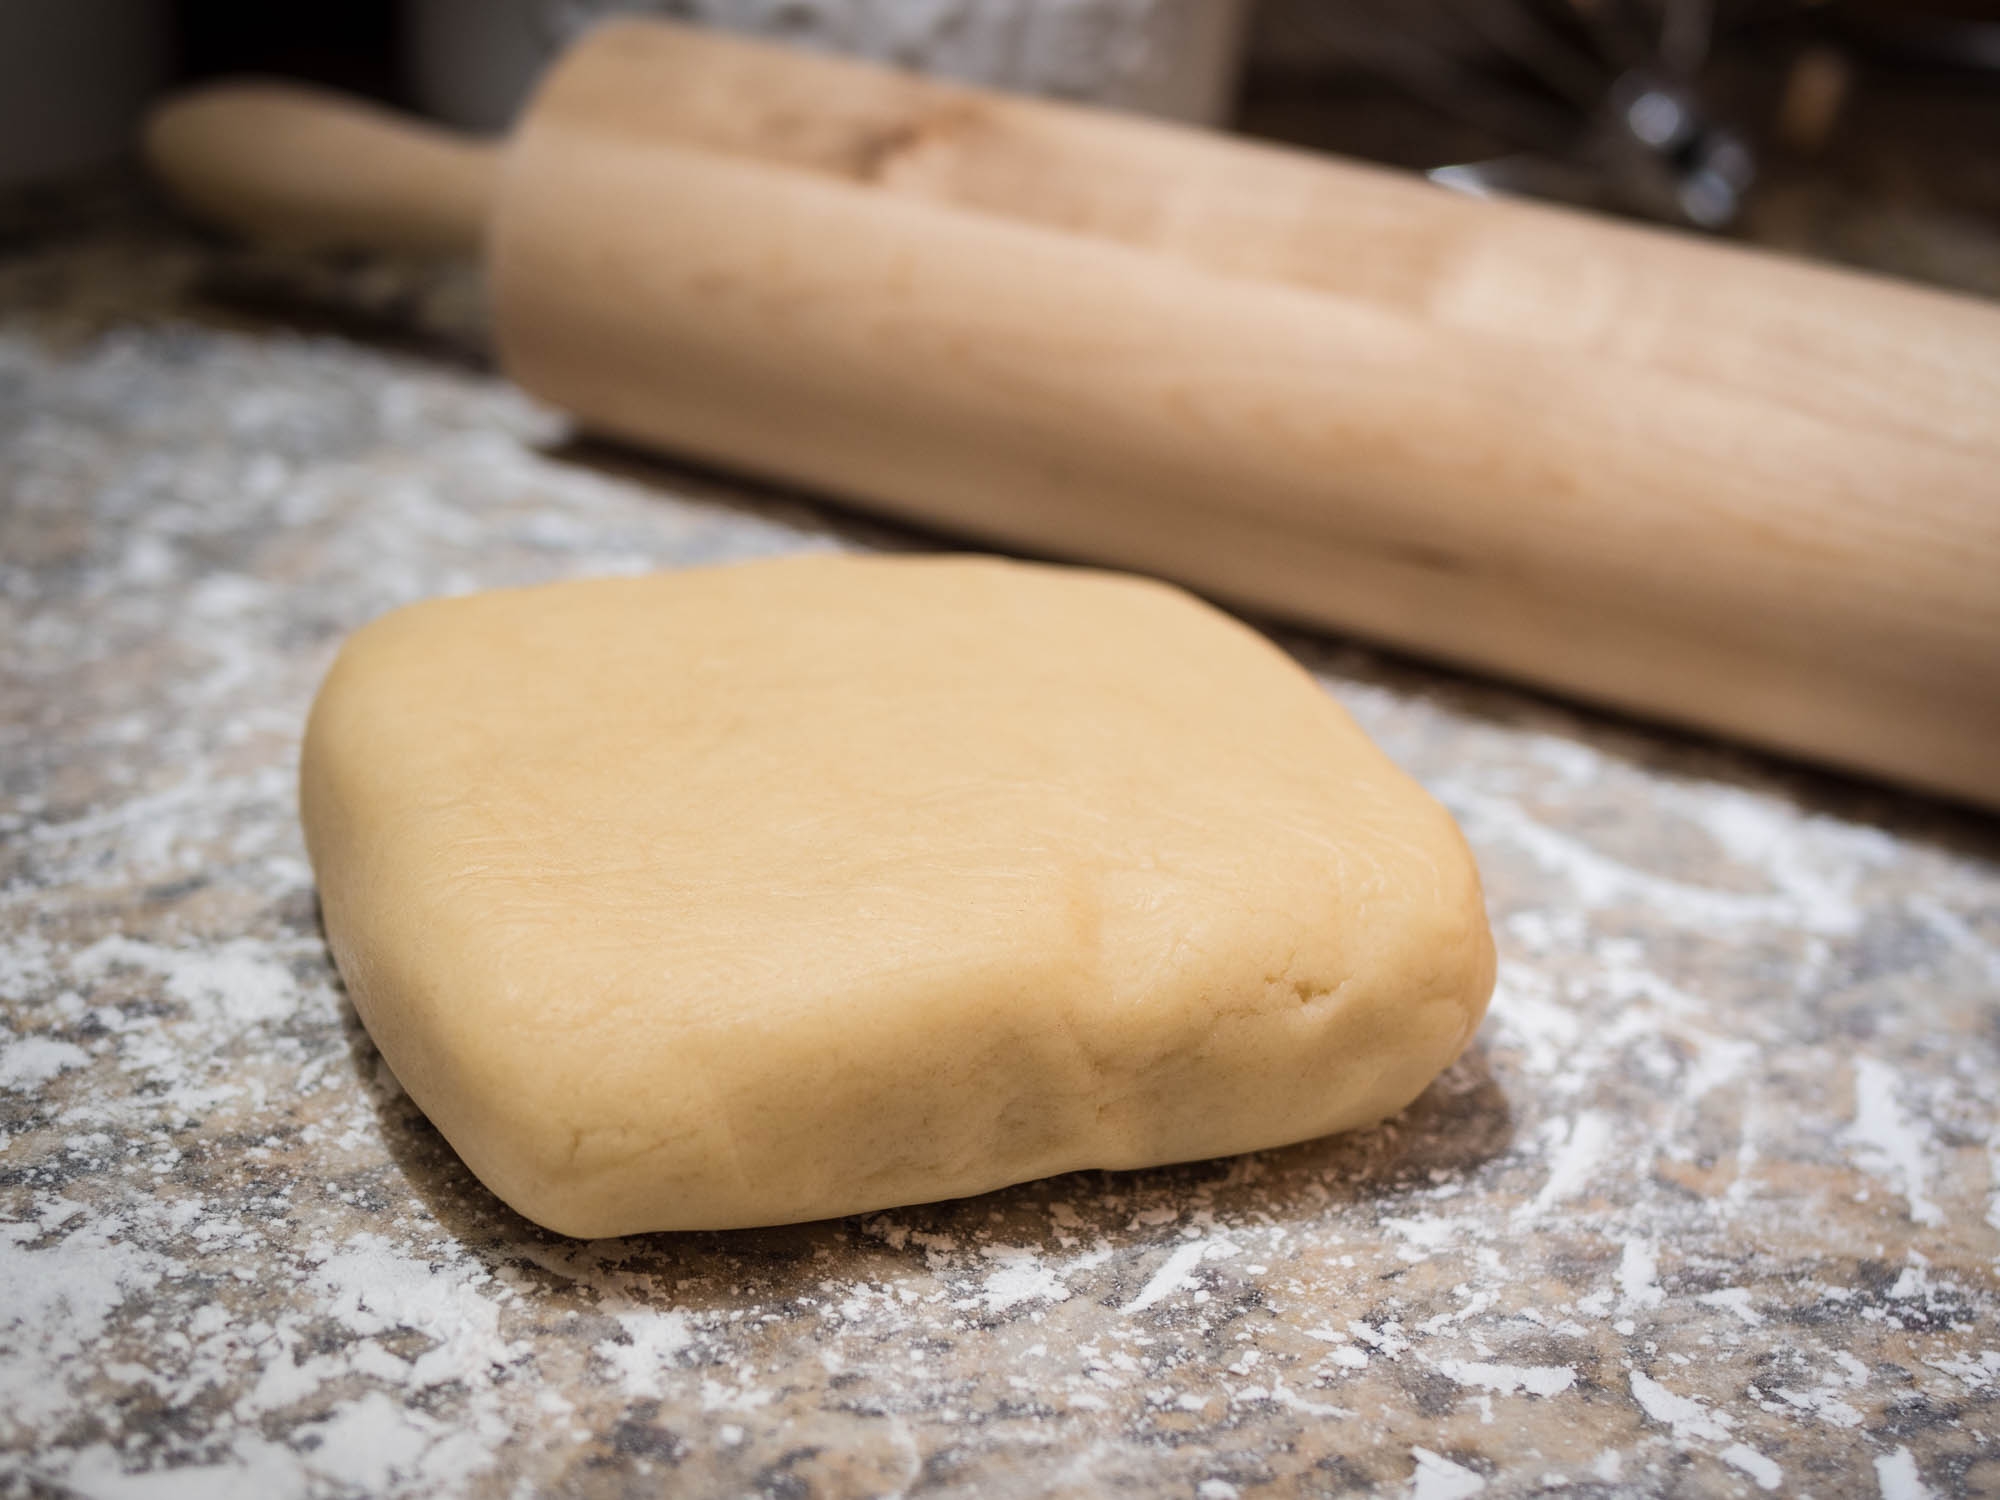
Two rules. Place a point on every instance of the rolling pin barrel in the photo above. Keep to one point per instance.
(1682, 479)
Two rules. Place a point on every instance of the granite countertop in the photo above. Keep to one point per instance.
(1712, 1205)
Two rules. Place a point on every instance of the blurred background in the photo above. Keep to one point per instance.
(1859, 130)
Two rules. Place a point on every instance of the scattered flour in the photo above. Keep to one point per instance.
(1742, 1456)
(1688, 1416)
(1174, 1274)
(1581, 1146)
(1735, 1299)
(1887, 1143)
(1023, 1276)
(28, 1062)
(1639, 1277)
(1897, 1477)
(1438, 1478)
(214, 1141)
(229, 986)
(1505, 1380)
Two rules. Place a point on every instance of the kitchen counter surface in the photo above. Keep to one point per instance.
(1712, 1206)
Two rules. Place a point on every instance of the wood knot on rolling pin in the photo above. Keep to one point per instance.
(875, 157)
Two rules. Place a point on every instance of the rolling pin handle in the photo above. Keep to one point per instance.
(298, 167)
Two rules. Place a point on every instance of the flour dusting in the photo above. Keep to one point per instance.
(1887, 1143)
(1714, 1195)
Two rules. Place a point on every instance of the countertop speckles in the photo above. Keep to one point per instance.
(1712, 1206)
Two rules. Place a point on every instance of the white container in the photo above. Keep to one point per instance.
(473, 61)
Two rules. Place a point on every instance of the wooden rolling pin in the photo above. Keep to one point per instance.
(1718, 487)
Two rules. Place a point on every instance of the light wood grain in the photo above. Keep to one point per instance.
(296, 166)
(1551, 277)
(1716, 487)
(1682, 479)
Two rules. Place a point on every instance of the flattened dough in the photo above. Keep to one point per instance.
(766, 893)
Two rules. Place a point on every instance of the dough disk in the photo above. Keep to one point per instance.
(765, 893)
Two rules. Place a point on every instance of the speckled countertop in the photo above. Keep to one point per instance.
(1711, 1207)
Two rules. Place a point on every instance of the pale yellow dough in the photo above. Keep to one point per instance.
(766, 893)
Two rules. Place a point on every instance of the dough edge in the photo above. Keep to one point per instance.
(1368, 1046)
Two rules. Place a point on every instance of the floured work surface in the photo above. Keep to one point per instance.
(760, 894)
(1708, 1203)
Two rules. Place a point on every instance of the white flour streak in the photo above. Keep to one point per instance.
(234, 984)
(1022, 1277)
(1292, 1401)
(1798, 855)
(1687, 1416)
(652, 1344)
(1533, 1019)
(1585, 1142)
(1599, 881)
(376, 1289)
(1387, 1339)
(1734, 1299)
(1505, 1380)
(1717, 1061)
(26, 967)
(1897, 1477)
(1438, 1478)
(1742, 1456)
(257, 1471)
(1639, 1277)
(1993, 1167)
(1170, 1278)
(1888, 1144)
(1955, 931)
(28, 1062)
(1425, 1234)
(1977, 1374)
(58, 1302)
(372, 1442)
(1824, 1404)
(1913, 1282)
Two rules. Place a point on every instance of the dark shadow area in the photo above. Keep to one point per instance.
(44, 215)
(343, 44)
(1872, 125)
(434, 311)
